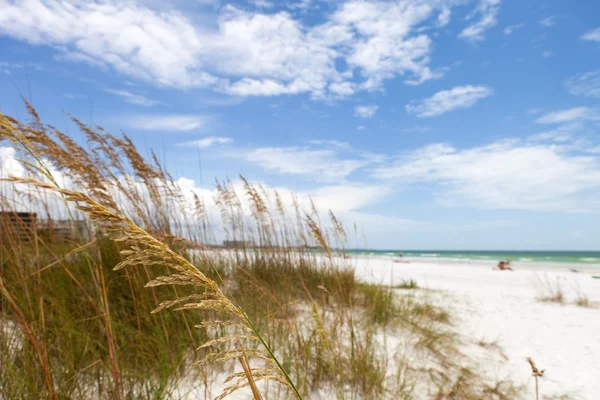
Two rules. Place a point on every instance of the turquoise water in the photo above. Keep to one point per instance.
(567, 257)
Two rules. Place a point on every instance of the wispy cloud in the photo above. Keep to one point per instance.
(8, 67)
(560, 134)
(546, 53)
(318, 164)
(207, 142)
(444, 101)
(507, 174)
(592, 35)
(333, 143)
(417, 128)
(511, 28)
(535, 111)
(73, 96)
(444, 17)
(365, 111)
(587, 84)
(487, 10)
(134, 98)
(167, 123)
(321, 160)
(568, 115)
(262, 3)
(548, 21)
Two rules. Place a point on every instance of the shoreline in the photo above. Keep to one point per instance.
(544, 266)
(503, 309)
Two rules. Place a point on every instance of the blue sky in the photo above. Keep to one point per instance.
(433, 124)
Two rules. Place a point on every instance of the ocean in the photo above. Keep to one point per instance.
(565, 258)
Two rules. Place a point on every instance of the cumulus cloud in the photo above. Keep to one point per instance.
(587, 84)
(134, 98)
(365, 111)
(447, 100)
(592, 35)
(344, 199)
(207, 142)
(159, 47)
(168, 123)
(245, 53)
(507, 174)
(487, 11)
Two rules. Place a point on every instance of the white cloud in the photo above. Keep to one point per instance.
(548, 21)
(511, 28)
(561, 134)
(417, 128)
(7, 67)
(568, 115)
(365, 111)
(9, 164)
(535, 111)
(507, 174)
(592, 35)
(378, 39)
(257, 87)
(319, 164)
(444, 17)
(134, 98)
(168, 123)
(244, 53)
(546, 53)
(207, 142)
(332, 143)
(587, 84)
(354, 196)
(447, 100)
(488, 12)
(361, 127)
(262, 3)
(159, 47)
(342, 88)
(344, 199)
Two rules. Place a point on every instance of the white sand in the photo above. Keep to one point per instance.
(503, 307)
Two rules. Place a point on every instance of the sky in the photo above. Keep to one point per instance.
(431, 124)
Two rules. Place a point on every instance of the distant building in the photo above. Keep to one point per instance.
(64, 229)
(21, 225)
(235, 244)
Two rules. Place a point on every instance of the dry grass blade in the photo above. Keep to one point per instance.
(317, 233)
(536, 374)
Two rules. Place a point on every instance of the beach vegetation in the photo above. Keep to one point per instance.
(128, 286)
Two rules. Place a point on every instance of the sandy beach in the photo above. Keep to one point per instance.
(502, 309)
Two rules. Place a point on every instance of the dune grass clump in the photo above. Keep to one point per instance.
(407, 284)
(549, 292)
(583, 301)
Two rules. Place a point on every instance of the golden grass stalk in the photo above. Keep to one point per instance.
(536, 374)
(38, 346)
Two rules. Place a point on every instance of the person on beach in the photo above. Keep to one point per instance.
(504, 266)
